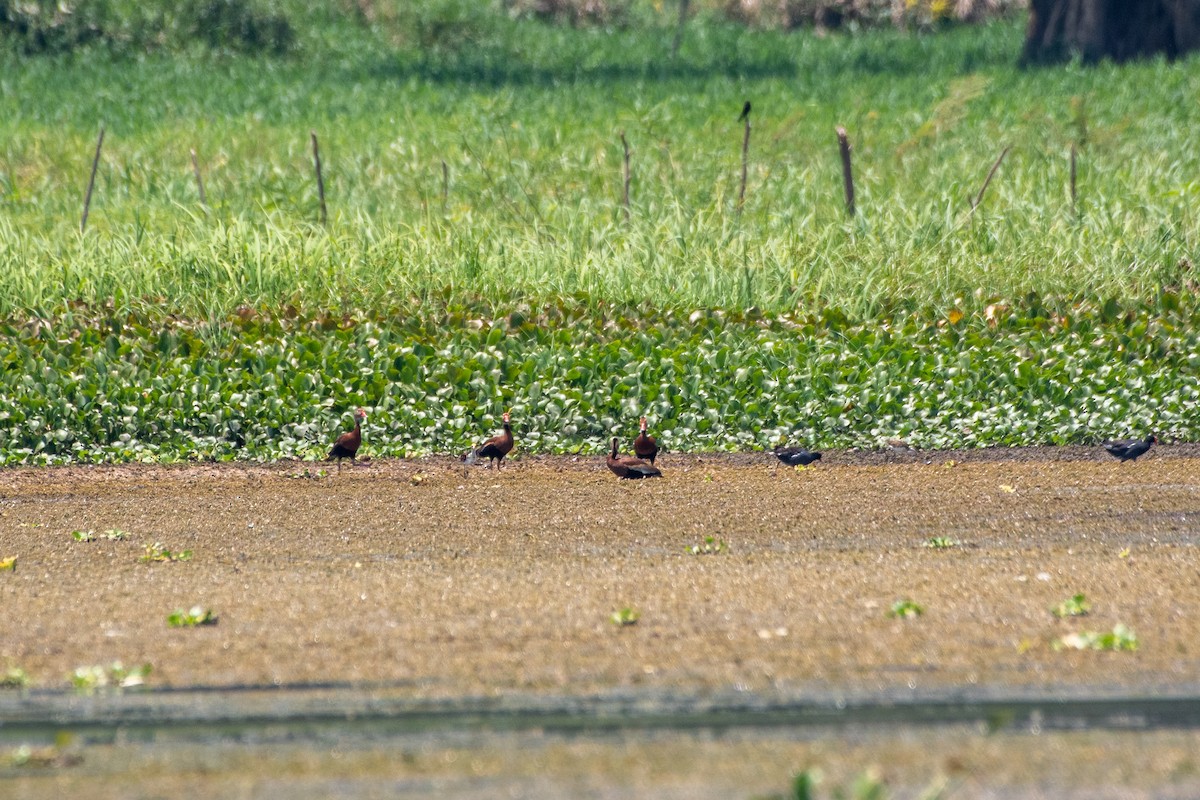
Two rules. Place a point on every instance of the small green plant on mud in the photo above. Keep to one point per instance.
(88, 679)
(157, 552)
(868, 785)
(1076, 606)
(711, 546)
(623, 617)
(310, 474)
(941, 542)
(48, 757)
(14, 678)
(196, 615)
(112, 535)
(1121, 638)
(905, 609)
(8, 564)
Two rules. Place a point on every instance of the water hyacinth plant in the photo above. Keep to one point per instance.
(132, 387)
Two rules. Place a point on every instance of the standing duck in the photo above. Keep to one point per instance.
(796, 456)
(1130, 449)
(497, 447)
(644, 446)
(630, 467)
(348, 443)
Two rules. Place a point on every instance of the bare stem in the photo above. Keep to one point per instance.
(199, 179)
(627, 176)
(988, 179)
(1074, 197)
(320, 178)
(445, 186)
(847, 171)
(87, 198)
(745, 165)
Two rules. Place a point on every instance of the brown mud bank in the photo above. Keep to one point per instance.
(454, 581)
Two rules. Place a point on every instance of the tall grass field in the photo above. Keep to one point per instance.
(478, 254)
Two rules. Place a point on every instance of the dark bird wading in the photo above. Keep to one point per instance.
(1130, 449)
(796, 456)
(630, 467)
(348, 443)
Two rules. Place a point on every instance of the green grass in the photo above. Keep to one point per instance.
(171, 330)
(526, 118)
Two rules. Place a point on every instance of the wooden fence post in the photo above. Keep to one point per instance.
(745, 156)
(847, 171)
(87, 198)
(320, 178)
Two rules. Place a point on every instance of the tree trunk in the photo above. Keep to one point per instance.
(1116, 29)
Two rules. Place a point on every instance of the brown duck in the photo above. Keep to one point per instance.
(630, 467)
(348, 443)
(644, 446)
(497, 447)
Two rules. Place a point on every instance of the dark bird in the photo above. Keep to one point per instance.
(644, 445)
(497, 447)
(796, 456)
(1130, 449)
(630, 467)
(745, 111)
(348, 443)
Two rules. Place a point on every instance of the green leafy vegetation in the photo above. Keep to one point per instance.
(623, 617)
(112, 535)
(711, 546)
(867, 785)
(478, 257)
(941, 542)
(1121, 638)
(1074, 606)
(123, 26)
(310, 474)
(905, 609)
(8, 564)
(141, 387)
(89, 679)
(14, 678)
(48, 757)
(190, 618)
(158, 552)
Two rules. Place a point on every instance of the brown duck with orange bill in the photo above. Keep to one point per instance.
(644, 446)
(497, 447)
